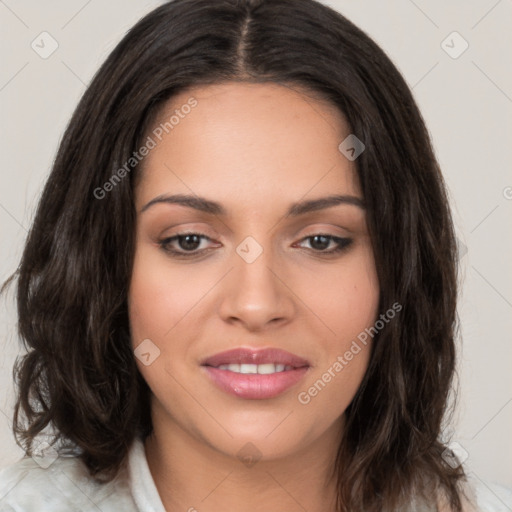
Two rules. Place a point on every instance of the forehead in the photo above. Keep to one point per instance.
(253, 140)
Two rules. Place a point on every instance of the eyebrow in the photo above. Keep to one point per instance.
(205, 205)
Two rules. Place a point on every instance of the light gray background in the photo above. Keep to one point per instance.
(466, 102)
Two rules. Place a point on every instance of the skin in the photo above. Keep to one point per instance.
(256, 149)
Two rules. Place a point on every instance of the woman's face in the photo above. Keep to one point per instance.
(262, 268)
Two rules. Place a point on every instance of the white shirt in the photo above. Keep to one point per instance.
(65, 486)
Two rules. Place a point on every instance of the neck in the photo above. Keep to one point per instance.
(193, 476)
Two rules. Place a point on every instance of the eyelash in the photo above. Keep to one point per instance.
(342, 244)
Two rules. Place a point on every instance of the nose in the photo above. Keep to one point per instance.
(255, 295)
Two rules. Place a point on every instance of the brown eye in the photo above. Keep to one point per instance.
(320, 242)
(184, 244)
(189, 242)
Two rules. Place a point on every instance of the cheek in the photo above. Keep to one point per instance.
(356, 311)
(155, 308)
(164, 302)
(159, 298)
(344, 297)
(346, 300)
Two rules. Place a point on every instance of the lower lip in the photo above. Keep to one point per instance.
(254, 386)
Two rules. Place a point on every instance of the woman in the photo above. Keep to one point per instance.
(239, 289)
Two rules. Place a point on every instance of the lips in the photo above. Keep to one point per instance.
(255, 374)
(262, 356)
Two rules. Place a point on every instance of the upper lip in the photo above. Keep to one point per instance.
(251, 356)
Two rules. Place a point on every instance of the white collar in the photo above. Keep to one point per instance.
(142, 485)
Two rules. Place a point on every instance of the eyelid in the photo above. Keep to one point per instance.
(341, 243)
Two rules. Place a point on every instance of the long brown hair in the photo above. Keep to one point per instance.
(79, 374)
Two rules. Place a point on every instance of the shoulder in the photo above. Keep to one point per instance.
(491, 497)
(59, 484)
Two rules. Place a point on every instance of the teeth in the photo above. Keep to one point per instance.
(267, 368)
(263, 369)
(248, 368)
